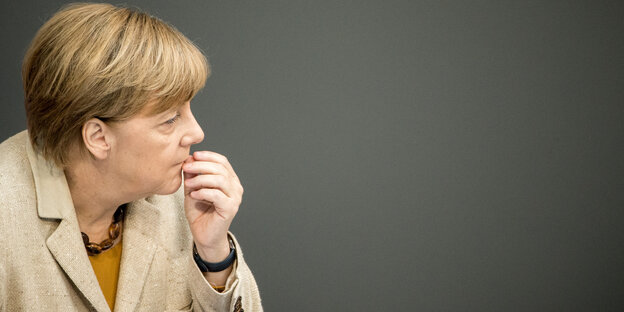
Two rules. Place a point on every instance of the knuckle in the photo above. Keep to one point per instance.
(220, 195)
(223, 169)
(221, 158)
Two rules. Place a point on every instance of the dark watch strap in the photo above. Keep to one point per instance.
(215, 266)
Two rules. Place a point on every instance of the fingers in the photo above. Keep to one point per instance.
(211, 170)
(204, 167)
(217, 198)
(210, 195)
(215, 158)
(229, 188)
(212, 156)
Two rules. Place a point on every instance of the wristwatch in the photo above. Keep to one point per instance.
(215, 266)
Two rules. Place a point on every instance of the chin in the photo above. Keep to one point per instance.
(172, 187)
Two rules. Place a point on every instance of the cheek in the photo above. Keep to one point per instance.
(162, 157)
(151, 154)
(139, 156)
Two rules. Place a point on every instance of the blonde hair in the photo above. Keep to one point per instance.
(101, 61)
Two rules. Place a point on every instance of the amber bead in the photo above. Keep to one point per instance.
(114, 230)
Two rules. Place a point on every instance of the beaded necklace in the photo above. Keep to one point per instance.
(114, 230)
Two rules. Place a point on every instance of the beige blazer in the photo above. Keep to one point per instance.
(44, 265)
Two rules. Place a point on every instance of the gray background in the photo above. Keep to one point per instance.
(408, 155)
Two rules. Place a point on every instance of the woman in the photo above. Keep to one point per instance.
(94, 213)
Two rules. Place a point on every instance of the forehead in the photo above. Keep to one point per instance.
(157, 107)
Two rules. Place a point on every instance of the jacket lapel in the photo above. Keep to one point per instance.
(139, 248)
(65, 243)
(66, 246)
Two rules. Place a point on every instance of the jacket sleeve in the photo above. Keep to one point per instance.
(241, 292)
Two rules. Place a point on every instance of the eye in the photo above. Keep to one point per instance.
(173, 120)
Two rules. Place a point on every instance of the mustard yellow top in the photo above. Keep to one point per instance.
(106, 267)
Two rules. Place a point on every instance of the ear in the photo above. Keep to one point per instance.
(97, 138)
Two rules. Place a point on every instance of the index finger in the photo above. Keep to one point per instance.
(215, 157)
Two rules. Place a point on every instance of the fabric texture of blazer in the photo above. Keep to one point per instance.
(44, 265)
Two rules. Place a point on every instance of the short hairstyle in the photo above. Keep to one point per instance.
(107, 62)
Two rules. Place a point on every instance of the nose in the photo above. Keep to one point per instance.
(194, 133)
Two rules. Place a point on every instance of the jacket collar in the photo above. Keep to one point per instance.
(53, 197)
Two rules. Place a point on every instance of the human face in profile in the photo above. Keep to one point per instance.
(149, 150)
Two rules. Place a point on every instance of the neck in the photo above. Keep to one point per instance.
(96, 197)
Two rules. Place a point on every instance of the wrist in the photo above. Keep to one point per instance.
(219, 265)
(213, 252)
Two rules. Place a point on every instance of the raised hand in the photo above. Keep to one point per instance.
(213, 194)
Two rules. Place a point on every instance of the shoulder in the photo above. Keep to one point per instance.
(17, 190)
(15, 171)
(13, 154)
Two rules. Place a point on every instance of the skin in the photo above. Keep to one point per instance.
(145, 155)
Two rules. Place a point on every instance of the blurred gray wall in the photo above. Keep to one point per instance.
(408, 155)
